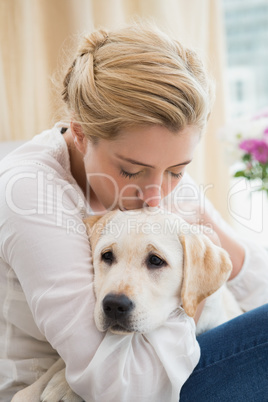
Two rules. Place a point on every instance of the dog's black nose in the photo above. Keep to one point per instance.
(117, 306)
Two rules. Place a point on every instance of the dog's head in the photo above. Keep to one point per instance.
(147, 265)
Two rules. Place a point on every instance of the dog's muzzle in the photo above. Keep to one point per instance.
(117, 309)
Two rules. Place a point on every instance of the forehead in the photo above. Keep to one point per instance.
(154, 145)
(136, 229)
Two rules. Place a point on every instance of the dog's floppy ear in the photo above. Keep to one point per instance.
(90, 222)
(205, 269)
(94, 231)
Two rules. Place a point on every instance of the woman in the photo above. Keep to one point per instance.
(138, 102)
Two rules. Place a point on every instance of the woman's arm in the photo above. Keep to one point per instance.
(249, 278)
(45, 243)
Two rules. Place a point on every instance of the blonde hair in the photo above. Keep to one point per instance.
(135, 76)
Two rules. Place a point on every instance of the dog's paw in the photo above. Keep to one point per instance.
(58, 390)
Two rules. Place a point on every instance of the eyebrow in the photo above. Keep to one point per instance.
(134, 162)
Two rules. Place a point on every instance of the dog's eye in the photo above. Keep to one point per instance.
(108, 257)
(155, 262)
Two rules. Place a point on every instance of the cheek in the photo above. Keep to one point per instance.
(105, 178)
(104, 187)
(128, 189)
(168, 186)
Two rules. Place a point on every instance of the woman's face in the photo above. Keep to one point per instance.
(140, 167)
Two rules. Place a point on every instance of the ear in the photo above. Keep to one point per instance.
(206, 267)
(94, 231)
(90, 222)
(80, 141)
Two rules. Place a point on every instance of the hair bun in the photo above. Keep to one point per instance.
(91, 43)
(135, 76)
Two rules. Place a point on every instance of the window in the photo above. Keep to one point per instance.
(246, 26)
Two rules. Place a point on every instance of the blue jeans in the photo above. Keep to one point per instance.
(234, 362)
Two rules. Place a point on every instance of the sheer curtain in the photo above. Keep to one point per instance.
(33, 34)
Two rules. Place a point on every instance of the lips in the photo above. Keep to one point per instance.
(131, 208)
(142, 206)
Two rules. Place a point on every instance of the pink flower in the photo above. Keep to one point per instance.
(248, 145)
(261, 153)
(257, 148)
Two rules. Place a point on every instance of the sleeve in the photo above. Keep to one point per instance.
(45, 242)
(250, 286)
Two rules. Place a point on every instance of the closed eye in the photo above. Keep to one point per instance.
(130, 175)
(176, 175)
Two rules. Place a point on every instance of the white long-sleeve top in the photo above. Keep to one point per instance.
(47, 298)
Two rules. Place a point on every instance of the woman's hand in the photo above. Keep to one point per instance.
(195, 214)
(199, 311)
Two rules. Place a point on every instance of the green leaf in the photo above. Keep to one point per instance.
(246, 158)
(240, 173)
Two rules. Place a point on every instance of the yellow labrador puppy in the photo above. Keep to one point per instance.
(147, 264)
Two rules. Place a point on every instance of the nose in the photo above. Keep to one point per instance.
(117, 306)
(150, 195)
